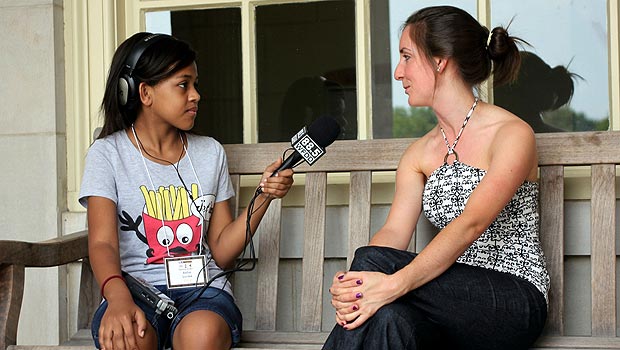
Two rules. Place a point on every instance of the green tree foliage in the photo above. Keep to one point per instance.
(416, 121)
(567, 119)
(412, 121)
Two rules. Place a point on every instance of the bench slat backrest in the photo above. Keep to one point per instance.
(551, 213)
(603, 250)
(359, 211)
(268, 256)
(314, 251)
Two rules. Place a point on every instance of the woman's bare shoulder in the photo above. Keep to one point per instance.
(418, 154)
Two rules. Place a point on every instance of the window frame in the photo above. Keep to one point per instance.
(94, 29)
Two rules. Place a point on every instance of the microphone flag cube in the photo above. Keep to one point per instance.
(309, 150)
(298, 135)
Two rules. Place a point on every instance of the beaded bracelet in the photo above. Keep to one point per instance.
(108, 280)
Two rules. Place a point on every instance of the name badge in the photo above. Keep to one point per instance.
(186, 271)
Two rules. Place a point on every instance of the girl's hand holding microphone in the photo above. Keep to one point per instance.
(278, 185)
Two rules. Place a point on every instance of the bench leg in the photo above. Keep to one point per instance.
(11, 295)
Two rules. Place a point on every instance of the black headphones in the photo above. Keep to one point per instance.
(127, 85)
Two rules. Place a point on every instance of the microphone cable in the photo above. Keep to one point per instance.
(242, 262)
(284, 157)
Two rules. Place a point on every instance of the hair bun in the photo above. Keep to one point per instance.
(503, 51)
(498, 42)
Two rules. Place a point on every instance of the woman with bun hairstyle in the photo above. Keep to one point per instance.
(482, 282)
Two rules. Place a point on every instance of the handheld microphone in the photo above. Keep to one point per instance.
(310, 144)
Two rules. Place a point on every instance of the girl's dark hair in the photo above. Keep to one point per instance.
(159, 61)
(446, 31)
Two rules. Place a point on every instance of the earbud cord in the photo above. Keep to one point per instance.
(191, 164)
(176, 168)
(148, 173)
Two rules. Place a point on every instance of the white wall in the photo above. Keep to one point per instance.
(32, 141)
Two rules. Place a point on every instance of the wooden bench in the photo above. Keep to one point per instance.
(357, 160)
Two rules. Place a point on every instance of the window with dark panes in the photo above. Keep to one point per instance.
(215, 34)
(305, 66)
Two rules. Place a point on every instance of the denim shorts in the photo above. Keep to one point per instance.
(213, 299)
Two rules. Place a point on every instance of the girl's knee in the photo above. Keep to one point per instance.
(149, 341)
(202, 330)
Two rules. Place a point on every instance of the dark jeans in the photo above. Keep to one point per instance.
(466, 307)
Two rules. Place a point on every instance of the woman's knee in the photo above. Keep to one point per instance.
(367, 258)
(395, 314)
(381, 259)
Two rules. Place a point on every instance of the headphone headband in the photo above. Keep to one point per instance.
(138, 50)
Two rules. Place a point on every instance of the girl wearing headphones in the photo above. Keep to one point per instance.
(157, 199)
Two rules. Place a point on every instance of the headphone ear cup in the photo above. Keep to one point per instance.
(123, 90)
(128, 94)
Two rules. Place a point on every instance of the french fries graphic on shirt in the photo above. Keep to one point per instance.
(168, 203)
(173, 220)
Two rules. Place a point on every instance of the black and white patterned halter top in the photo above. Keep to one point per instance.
(510, 244)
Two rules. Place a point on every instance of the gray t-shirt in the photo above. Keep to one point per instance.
(156, 215)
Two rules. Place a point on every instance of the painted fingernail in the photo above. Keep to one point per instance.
(340, 277)
(345, 327)
(359, 295)
(355, 308)
(359, 282)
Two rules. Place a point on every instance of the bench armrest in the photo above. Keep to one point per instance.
(53, 252)
(15, 256)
